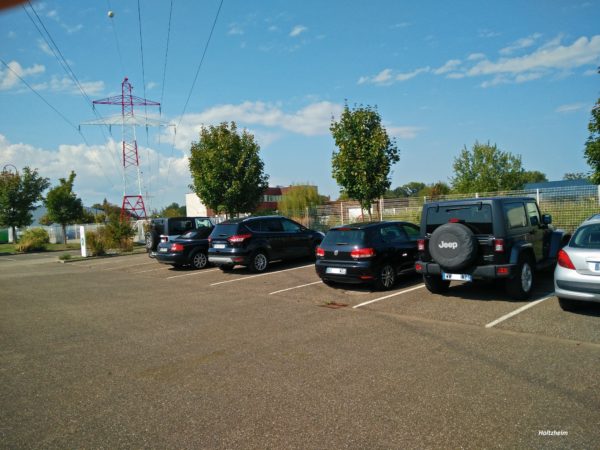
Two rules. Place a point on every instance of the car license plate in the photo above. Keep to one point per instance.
(163, 249)
(335, 271)
(219, 246)
(457, 276)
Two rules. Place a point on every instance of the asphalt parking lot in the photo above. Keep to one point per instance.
(125, 352)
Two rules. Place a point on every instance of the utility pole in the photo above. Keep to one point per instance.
(133, 204)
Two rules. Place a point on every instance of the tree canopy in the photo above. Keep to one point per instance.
(486, 168)
(63, 205)
(365, 157)
(297, 198)
(19, 194)
(227, 172)
(592, 145)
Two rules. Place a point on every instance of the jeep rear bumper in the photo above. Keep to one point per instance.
(479, 272)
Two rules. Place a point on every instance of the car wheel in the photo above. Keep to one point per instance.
(259, 262)
(520, 286)
(199, 260)
(435, 284)
(568, 305)
(226, 268)
(150, 241)
(386, 277)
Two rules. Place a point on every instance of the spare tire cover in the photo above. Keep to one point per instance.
(453, 246)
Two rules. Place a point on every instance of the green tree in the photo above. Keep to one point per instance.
(19, 194)
(434, 190)
(173, 210)
(486, 169)
(227, 172)
(575, 176)
(533, 176)
(365, 157)
(63, 205)
(297, 198)
(592, 145)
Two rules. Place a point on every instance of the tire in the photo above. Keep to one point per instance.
(151, 242)
(435, 284)
(386, 278)
(226, 268)
(521, 285)
(259, 262)
(568, 305)
(199, 260)
(453, 246)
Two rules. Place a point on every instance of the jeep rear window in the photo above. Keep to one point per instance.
(344, 236)
(477, 217)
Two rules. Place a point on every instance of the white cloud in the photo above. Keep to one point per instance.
(450, 66)
(405, 132)
(235, 30)
(9, 77)
(520, 44)
(311, 120)
(387, 76)
(151, 84)
(98, 171)
(43, 46)
(571, 107)
(298, 30)
(475, 56)
(68, 86)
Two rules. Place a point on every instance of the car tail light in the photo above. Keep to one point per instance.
(502, 271)
(239, 238)
(176, 248)
(421, 245)
(564, 260)
(358, 253)
(454, 220)
(419, 267)
(499, 245)
(320, 252)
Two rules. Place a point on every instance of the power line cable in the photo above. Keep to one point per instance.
(114, 28)
(61, 115)
(194, 82)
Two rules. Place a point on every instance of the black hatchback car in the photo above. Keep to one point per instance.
(256, 241)
(372, 252)
(189, 249)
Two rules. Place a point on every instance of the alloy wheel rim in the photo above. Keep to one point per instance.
(260, 262)
(199, 260)
(526, 278)
(387, 276)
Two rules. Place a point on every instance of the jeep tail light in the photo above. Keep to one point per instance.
(238, 238)
(454, 220)
(359, 253)
(499, 245)
(419, 267)
(564, 260)
(176, 247)
(421, 245)
(320, 252)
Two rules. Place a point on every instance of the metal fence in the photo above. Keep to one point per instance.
(568, 206)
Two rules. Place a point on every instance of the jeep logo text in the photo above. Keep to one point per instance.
(452, 245)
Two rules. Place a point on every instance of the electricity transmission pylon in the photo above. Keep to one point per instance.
(133, 204)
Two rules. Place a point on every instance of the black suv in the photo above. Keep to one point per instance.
(372, 252)
(256, 241)
(171, 227)
(486, 238)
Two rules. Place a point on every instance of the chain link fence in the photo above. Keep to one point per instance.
(569, 206)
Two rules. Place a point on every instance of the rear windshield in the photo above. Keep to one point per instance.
(586, 237)
(225, 230)
(344, 236)
(478, 217)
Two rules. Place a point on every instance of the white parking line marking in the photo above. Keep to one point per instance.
(199, 272)
(262, 275)
(389, 296)
(151, 270)
(130, 265)
(295, 287)
(517, 311)
(7, 259)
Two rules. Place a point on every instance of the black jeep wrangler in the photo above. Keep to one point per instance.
(168, 228)
(485, 239)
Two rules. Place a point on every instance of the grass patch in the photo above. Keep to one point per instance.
(12, 248)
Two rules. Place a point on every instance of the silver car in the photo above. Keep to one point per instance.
(577, 274)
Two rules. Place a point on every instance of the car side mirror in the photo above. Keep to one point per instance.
(546, 219)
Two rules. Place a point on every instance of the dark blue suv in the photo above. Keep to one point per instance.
(372, 252)
(256, 241)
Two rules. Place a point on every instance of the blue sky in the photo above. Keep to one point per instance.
(519, 74)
